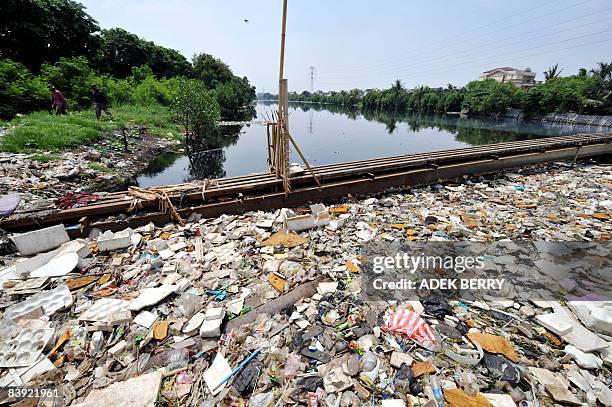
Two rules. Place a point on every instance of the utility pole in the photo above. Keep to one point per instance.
(311, 72)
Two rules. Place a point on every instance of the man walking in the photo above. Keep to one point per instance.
(101, 102)
(58, 101)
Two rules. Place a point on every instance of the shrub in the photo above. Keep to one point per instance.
(196, 108)
(20, 92)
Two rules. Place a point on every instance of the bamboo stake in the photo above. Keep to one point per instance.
(282, 66)
(304, 159)
(268, 137)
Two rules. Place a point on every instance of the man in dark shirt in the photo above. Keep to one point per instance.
(58, 101)
(100, 101)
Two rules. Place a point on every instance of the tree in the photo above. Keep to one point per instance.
(34, 32)
(196, 108)
(604, 70)
(490, 97)
(120, 51)
(210, 70)
(234, 95)
(73, 77)
(553, 72)
(396, 89)
(582, 72)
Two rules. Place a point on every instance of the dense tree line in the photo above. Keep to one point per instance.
(56, 41)
(588, 92)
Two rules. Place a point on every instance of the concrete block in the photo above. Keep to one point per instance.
(40, 240)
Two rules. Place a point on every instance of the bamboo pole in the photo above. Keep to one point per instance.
(282, 66)
(304, 159)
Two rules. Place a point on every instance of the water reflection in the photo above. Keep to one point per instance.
(330, 134)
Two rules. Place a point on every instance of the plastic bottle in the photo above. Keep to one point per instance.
(369, 366)
(436, 389)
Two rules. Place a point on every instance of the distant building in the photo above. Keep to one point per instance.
(517, 77)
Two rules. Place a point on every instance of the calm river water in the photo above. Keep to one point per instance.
(329, 134)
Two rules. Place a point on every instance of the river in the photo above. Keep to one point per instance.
(330, 134)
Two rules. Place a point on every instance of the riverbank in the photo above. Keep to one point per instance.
(186, 304)
(94, 166)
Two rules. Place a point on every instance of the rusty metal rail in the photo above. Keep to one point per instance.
(264, 191)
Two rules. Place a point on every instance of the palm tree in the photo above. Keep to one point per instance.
(604, 70)
(553, 72)
(397, 89)
(582, 72)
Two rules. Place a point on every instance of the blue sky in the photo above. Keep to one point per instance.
(368, 44)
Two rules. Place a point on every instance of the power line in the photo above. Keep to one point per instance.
(454, 37)
(478, 51)
(523, 56)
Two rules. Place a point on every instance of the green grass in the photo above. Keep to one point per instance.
(45, 158)
(41, 131)
(99, 167)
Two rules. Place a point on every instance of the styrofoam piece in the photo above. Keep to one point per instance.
(139, 391)
(8, 273)
(78, 246)
(103, 309)
(177, 247)
(40, 240)
(151, 296)
(23, 350)
(57, 267)
(145, 319)
(25, 374)
(555, 323)
(109, 241)
(304, 222)
(166, 253)
(192, 326)
(211, 327)
(30, 264)
(596, 315)
(26, 286)
(50, 301)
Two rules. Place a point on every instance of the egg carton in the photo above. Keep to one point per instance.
(24, 349)
(103, 309)
(50, 301)
(27, 286)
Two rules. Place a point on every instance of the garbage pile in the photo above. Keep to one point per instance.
(40, 176)
(265, 308)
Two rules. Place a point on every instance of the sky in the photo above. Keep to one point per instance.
(368, 44)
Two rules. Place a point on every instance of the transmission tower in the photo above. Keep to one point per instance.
(311, 72)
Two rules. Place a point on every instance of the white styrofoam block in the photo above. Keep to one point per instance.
(58, 266)
(23, 350)
(40, 240)
(211, 328)
(50, 301)
(555, 323)
(109, 241)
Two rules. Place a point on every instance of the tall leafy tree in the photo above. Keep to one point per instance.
(210, 70)
(34, 32)
(120, 51)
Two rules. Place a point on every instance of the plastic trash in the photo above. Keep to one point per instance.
(436, 389)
